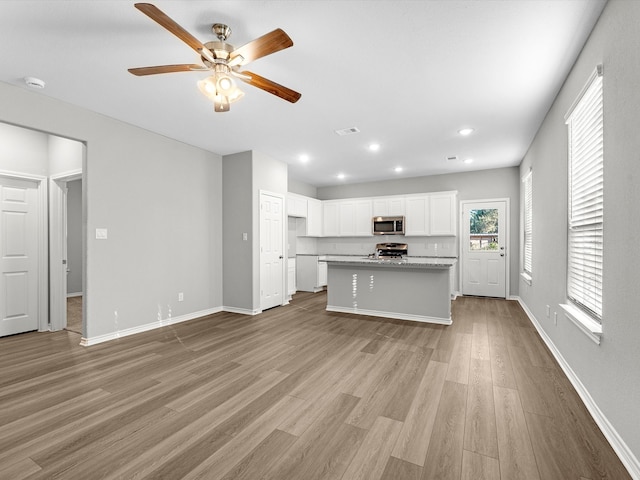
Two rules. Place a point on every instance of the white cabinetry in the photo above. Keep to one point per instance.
(311, 273)
(416, 221)
(291, 276)
(431, 214)
(388, 206)
(314, 218)
(296, 205)
(354, 218)
(330, 218)
(442, 214)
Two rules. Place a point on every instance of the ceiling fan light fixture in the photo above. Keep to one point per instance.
(221, 103)
(225, 85)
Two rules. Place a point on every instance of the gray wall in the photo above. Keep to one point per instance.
(477, 185)
(65, 155)
(23, 150)
(245, 174)
(74, 237)
(160, 200)
(610, 371)
(302, 188)
(237, 201)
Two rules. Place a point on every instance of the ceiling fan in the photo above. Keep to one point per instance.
(223, 60)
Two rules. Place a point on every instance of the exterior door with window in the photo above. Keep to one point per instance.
(484, 255)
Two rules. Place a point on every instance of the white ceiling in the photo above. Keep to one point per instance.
(407, 74)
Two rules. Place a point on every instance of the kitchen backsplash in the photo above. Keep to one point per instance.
(418, 246)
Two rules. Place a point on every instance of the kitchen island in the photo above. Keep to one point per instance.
(410, 288)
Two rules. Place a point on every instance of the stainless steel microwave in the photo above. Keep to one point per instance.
(388, 225)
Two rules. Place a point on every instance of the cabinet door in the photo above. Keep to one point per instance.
(442, 214)
(347, 219)
(330, 219)
(296, 205)
(417, 210)
(322, 274)
(380, 207)
(396, 206)
(363, 218)
(314, 217)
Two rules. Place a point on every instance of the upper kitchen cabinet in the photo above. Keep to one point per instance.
(442, 214)
(330, 218)
(314, 217)
(417, 216)
(296, 205)
(347, 218)
(355, 218)
(388, 206)
(431, 214)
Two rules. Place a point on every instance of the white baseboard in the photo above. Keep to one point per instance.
(74, 294)
(628, 459)
(86, 342)
(399, 316)
(242, 311)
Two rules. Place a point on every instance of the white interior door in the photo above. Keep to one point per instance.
(19, 263)
(271, 250)
(484, 255)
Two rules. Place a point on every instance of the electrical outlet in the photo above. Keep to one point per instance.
(181, 297)
(548, 311)
(555, 318)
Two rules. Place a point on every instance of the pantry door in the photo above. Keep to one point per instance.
(19, 255)
(272, 279)
(484, 248)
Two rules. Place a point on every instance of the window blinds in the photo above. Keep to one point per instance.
(528, 223)
(585, 235)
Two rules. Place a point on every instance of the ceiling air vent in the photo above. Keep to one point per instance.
(452, 158)
(347, 131)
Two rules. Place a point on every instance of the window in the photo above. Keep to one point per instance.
(527, 250)
(586, 220)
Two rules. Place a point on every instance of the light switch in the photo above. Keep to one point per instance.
(245, 236)
(101, 233)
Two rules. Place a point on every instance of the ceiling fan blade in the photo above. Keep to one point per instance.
(269, 86)
(158, 16)
(141, 71)
(265, 45)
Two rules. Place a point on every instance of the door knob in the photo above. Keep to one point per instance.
(502, 254)
(280, 257)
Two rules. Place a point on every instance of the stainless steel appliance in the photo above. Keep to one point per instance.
(390, 250)
(388, 225)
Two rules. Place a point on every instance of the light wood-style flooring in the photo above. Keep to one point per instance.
(74, 314)
(297, 393)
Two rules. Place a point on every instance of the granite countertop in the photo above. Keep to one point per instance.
(408, 261)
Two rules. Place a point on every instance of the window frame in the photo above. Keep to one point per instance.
(527, 226)
(585, 202)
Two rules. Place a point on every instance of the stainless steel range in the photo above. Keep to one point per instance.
(390, 250)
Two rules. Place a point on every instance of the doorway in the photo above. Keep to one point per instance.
(66, 257)
(483, 244)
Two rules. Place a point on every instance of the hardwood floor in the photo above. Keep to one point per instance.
(299, 393)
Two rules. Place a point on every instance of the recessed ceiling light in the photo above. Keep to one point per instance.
(468, 160)
(465, 131)
(304, 158)
(398, 169)
(34, 82)
(340, 176)
(374, 147)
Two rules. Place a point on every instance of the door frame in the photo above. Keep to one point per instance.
(283, 273)
(43, 245)
(507, 241)
(58, 246)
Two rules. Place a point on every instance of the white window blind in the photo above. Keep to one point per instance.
(527, 256)
(585, 235)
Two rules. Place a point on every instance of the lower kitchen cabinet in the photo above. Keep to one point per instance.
(311, 273)
(291, 276)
